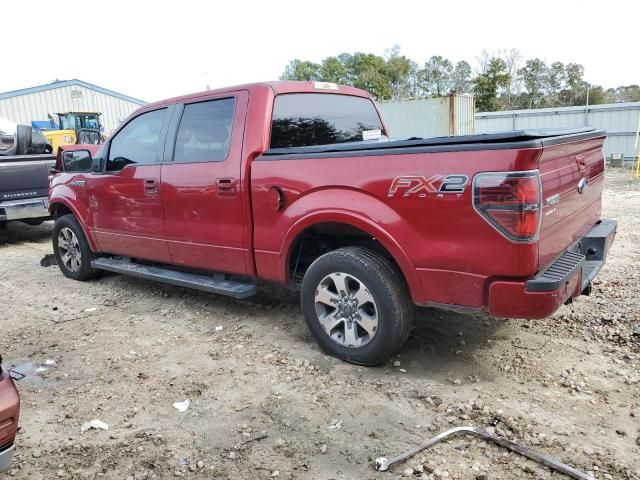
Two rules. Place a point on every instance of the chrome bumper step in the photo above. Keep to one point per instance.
(585, 257)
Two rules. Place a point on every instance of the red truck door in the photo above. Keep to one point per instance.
(126, 206)
(201, 188)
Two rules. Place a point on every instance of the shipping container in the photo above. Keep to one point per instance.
(430, 117)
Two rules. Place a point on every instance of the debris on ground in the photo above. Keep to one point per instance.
(96, 424)
(382, 463)
(182, 406)
(335, 423)
(49, 260)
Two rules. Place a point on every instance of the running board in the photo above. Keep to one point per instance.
(215, 283)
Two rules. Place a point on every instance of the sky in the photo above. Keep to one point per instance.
(158, 49)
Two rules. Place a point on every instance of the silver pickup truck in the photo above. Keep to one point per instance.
(25, 161)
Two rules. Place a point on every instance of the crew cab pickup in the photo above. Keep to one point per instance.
(298, 182)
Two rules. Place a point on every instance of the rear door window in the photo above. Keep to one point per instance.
(307, 119)
(204, 134)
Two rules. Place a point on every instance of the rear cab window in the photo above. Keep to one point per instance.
(309, 119)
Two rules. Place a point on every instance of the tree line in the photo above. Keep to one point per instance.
(500, 80)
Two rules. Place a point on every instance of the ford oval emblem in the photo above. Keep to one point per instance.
(582, 185)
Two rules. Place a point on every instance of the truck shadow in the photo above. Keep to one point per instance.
(446, 345)
(18, 232)
(443, 346)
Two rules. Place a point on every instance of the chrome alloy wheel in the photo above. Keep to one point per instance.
(346, 310)
(69, 249)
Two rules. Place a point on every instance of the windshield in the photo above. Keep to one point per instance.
(307, 119)
(77, 121)
(67, 122)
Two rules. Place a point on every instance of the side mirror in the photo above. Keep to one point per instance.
(77, 161)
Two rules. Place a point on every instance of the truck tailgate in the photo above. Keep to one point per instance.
(24, 177)
(572, 182)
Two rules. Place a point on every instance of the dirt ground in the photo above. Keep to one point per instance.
(123, 350)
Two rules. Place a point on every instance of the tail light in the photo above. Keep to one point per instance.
(510, 202)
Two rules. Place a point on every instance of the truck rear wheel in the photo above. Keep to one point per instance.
(356, 305)
(72, 250)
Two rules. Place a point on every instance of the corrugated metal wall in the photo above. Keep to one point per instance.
(619, 120)
(430, 117)
(22, 109)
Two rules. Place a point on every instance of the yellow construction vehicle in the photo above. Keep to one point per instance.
(72, 127)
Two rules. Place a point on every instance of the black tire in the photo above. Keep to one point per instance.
(383, 283)
(23, 139)
(84, 272)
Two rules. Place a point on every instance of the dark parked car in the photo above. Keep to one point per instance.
(25, 161)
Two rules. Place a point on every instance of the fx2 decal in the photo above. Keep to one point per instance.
(419, 185)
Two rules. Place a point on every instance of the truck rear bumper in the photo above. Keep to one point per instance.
(27, 208)
(6, 457)
(567, 277)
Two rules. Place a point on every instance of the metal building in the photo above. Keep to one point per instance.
(430, 117)
(36, 103)
(619, 120)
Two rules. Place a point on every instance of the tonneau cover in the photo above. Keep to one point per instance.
(528, 138)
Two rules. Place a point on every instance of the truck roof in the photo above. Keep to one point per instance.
(278, 87)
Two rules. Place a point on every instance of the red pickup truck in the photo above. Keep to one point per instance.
(298, 182)
(9, 412)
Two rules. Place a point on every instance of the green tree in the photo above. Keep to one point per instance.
(333, 70)
(367, 71)
(628, 93)
(435, 77)
(486, 85)
(301, 70)
(500, 84)
(401, 72)
(575, 85)
(553, 82)
(512, 59)
(533, 77)
(597, 95)
(461, 77)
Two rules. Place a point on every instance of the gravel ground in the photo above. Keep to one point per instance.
(266, 403)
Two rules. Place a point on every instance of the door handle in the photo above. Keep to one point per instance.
(226, 186)
(150, 186)
(580, 160)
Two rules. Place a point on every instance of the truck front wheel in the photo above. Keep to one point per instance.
(356, 305)
(72, 250)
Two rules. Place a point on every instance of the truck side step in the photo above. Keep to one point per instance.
(215, 283)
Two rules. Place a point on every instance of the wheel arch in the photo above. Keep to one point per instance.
(59, 206)
(345, 229)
